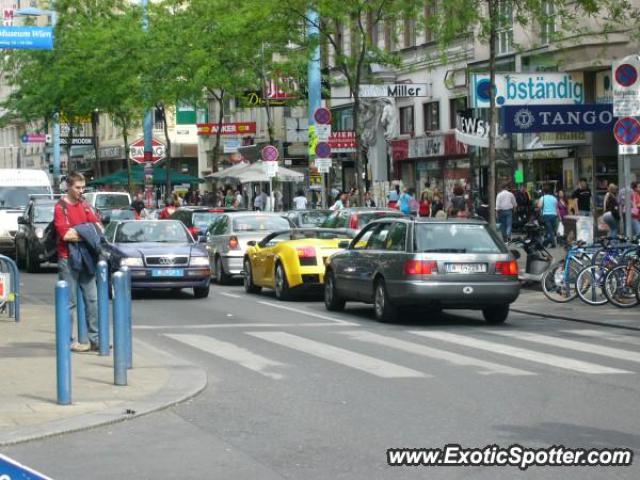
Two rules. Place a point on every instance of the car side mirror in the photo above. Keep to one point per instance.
(515, 253)
(251, 243)
(344, 244)
(23, 220)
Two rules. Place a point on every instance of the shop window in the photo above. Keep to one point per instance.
(431, 112)
(406, 120)
(456, 105)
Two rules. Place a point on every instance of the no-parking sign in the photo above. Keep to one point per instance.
(626, 87)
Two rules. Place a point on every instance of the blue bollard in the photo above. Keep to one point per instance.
(102, 279)
(119, 329)
(127, 274)
(63, 350)
(83, 332)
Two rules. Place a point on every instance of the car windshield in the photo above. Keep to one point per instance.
(43, 213)
(18, 197)
(204, 219)
(321, 234)
(455, 238)
(112, 201)
(248, 223)
(314, 219)
(162, 231)
(366, 217)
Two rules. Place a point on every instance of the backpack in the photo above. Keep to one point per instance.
(50, 237)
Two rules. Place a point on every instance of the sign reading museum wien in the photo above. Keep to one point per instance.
(395, 90)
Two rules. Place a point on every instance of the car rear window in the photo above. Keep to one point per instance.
(112, 201)
(248, 223)
(455, 238)
(313, 218)
(364, 218)
(204, 219)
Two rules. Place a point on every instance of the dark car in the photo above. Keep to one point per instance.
(307, 218)
(198, 219)
(31, 233)
(159, 253)
(398, 262)
(353, 219)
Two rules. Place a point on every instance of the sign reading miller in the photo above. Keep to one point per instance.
(395, 90)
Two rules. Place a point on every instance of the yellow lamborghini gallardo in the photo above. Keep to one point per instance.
(291, 260)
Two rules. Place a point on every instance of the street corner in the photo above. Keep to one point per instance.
(156, 381)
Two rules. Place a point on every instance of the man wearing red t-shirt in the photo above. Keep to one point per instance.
(70, 211)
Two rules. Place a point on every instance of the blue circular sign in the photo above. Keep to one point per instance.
(627, 131)
(483, 90)
(25, 138)
(626, 75)
(323, 150)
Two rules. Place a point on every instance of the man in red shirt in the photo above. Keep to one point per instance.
(70, 211)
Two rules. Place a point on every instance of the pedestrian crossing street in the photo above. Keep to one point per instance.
(486, 352)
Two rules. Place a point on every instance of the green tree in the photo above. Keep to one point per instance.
(482, 19)
(351, 48)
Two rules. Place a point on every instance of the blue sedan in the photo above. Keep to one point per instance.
(159, 254)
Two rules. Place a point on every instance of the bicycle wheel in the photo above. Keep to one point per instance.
(559, 287)
(621, 284)
(590, 285)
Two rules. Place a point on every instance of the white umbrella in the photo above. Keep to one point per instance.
(229, 173)
(255, 173)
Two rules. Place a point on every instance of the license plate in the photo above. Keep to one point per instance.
(466, 267)
(167, 272)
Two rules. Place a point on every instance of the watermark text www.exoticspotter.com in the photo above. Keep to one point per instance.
(513, 456)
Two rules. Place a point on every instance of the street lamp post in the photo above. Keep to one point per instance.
(36, 12)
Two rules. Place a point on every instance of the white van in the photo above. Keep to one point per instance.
(16, 186)
(108, 200)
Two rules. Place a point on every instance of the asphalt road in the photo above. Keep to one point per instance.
(297, 392)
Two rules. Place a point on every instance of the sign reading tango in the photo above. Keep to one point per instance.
(557, 118)
(26, 38)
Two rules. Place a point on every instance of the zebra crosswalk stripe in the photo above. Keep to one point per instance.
(232, 353)
(521, 353)
(573, 345)
(615, 337)
(365, 363)
(486, 368)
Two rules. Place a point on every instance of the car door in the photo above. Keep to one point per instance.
(212, 238)
(268, 254)
(368, 262)
(344, 264)
(391, 259)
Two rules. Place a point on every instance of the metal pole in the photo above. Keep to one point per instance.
(63, 351)
(314, 82)
(103, 307)
(83, 332)
(127, 295)
(56, 121)
(626, 170)
(119, 329)
(147, 125)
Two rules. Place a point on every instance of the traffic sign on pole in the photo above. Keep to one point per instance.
(323, 150)
(627, 131)
(270, 153)
(626, 87)
(322, 116)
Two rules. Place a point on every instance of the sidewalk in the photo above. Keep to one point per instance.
(533, 301)
(28, 408)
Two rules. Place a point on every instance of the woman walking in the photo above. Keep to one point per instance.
(611, 214)
(548, 205)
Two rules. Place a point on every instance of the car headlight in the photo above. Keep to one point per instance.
(199, 261)
(39, 232)
(131, 262)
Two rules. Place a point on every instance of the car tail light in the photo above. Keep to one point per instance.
(420, 267)
(195, 231)
(353, 222)
(509, 268)
(306, 252)
(233, 243)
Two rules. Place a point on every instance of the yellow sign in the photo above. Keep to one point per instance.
(313, 140)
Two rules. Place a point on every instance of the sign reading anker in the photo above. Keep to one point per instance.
(557, 118)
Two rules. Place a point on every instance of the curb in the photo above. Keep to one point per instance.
(186, 381)
(570, 319)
